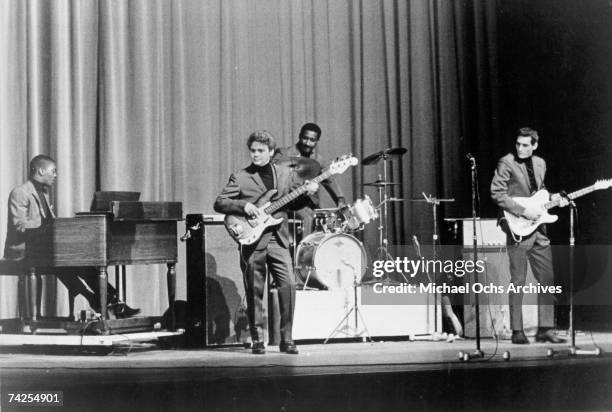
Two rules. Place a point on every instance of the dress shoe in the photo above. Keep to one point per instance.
(547, 335)
(518, 337)
(288, 347)
(121, 310)
(258, 348)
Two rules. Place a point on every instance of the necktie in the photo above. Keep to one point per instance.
(45, 206)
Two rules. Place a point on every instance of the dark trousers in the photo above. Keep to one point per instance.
(84, 281)
(253, 264)
(306, 214)
(536, 250)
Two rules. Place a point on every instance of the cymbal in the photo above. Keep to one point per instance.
(374, 158)
(303, 167)
(380, 183)
(326, 209)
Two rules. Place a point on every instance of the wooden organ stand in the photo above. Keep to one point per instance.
(132, 233)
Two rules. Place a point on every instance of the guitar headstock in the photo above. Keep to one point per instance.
(342, 163)
(602, 184)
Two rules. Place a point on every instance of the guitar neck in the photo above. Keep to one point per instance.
(572, 196)
(288, 198)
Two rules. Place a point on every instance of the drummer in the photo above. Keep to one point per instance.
(310, 133)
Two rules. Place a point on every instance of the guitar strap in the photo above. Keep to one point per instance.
(503, 222)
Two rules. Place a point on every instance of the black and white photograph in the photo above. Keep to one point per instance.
(305, 205)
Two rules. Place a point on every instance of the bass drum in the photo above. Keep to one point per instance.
(330, 260)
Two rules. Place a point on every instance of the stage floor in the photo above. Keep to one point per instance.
(336, 376)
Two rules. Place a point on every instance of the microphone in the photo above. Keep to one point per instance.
(187, 234)
(472, 160)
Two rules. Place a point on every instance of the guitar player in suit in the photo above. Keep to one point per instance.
(521, 174)
(238, 197)
(29, 207)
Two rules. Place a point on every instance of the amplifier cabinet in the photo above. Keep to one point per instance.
(494, 311)
(216, 304)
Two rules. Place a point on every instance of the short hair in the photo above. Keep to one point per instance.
(528, 132)
(262, 136)
(311, 126)
(39, 161)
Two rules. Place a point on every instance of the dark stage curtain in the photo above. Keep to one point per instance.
(159, 96)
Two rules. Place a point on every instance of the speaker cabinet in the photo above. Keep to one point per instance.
(215, 289)
(494, 313)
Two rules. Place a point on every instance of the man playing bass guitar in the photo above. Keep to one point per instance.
(239, 197)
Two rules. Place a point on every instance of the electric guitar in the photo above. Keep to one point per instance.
(247, 231)
(522, 226)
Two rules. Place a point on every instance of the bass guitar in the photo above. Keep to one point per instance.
(522, 226)
(247, 231)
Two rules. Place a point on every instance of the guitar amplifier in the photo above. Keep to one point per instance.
(488, 233)
(216, 303)
(494, 312)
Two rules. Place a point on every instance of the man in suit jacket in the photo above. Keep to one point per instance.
(309, 136)
(238, 197)
(29, 207)
(521, 174)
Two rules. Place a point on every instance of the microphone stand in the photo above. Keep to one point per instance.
(573, 349)
(478, 353)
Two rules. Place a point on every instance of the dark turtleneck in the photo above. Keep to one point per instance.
(266, 174)
(528, 162)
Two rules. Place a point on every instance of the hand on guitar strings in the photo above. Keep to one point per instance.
(311, 187)
(532, 213)
(251, 210)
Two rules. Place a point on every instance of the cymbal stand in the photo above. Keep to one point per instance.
(383, 252)
(385, 206)
(353, 332)
(435, 242)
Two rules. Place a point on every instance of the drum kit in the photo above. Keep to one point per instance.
(332, 257)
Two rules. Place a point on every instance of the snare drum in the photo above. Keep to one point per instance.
(330, 260)
(358, 214)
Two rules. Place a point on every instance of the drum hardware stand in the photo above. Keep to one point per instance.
(573, 349)
(382, 251)
(436, 335)
(310, 268)
(478, 353)
(355, 308)
(434, 202)
(297, 227)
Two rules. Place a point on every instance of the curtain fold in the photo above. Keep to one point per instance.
(159, 96)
